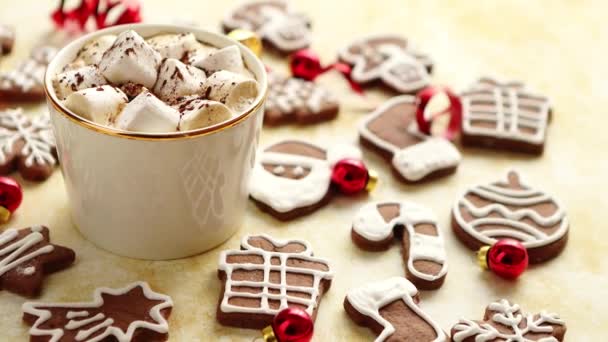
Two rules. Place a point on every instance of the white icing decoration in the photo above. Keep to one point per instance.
(278, 170)
(298, 171)
(15, 252)
(30, 72)
(159, 325)
(267, 267)
(37, 136)
(285, 194)
(29, 270)
(370, 224)
(510, 316)
(288, 95)
(370, 298)
(511, 220)
(512, 105)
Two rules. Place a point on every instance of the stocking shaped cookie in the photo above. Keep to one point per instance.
(505, 116)
(296, 100)
(27, 256)
(267, 276)
(26, 82)
(390, 59)
(390, 309)
(293, 178)
(377, 224)
(392, 132)
(134, 313)
(277, 24)
(504, 321)
(27, 145)
(7, 39)
(510, 208)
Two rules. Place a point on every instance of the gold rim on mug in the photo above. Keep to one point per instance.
(154, 136)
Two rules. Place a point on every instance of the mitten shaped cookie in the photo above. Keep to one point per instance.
(377, 224)
(390, 309)
(504, 321)
(392, 132)
(510, 208)
(267, 276)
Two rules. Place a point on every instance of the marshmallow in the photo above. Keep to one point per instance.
(173, 45)
(92, 51)
(100, 105)
(177, 79)
(78, 79)
(199, 51)
(147, 113)
(197, 112)
(234, 90)
(130, 58)
(228, 58)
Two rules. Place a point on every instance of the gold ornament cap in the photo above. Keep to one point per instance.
(248, 38)
(5, 215)
(268, 334)
(482, 257)
(372, 180)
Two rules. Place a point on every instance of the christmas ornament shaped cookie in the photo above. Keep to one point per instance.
(293, 100)
(510, 208)
(27, 256)
(390, 59)
(504, 115)
(377, 224)
(391, 131)
(134, 313)
(294, 178)
(7, 39)
(274, 21)
(390, 309)
(265, 277)
(27, 145)
(505, 321)
(26, 82)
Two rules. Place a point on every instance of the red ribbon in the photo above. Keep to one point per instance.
(424, 96)
(306, 64)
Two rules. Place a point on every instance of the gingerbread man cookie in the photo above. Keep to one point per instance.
(134, 313)
(504, 321)
(392, 132)
(274, 21)
(390, 309)
(296, 100)
(377, 224)
(7, 39)
(293, 178)
(27, 256)
(267, 276)
(510, 208)
(390, 59)
(27, 145)
(26, 82)
(504, 116)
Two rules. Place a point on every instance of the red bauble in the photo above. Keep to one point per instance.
(11, 194)
(293, 325)
(507, 258)
(350, 176)
(454, 110)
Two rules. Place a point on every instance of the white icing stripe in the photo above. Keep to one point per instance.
(283, 297)
(370, 298)
(419, 160)
(13, 253)
(74, 324)
(84, 334)
(76, 314)
(160, 324)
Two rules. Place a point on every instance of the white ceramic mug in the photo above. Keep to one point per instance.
(156, 196)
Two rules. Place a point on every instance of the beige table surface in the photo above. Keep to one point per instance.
(553, 45)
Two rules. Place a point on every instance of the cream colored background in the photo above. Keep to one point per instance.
(553, 45)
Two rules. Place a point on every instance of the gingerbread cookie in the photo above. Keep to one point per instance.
(504, 116)
(390, 59)
(504, 321)
(274, 21)
(134, 313)
(391, 131)
(27, 145)
(267, 276)
(7, 39)
(292, 99)
(26, 82)
(27, 256)
(510, 208)
(293, 178)
(390, 309)
(377, 224)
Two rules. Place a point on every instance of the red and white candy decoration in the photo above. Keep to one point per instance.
(454, 110)
(75, 20)
(306, 64)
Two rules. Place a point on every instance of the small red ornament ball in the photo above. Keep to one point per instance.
(350, 176)
(11, 194)
(293, 325)
(507, 258)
